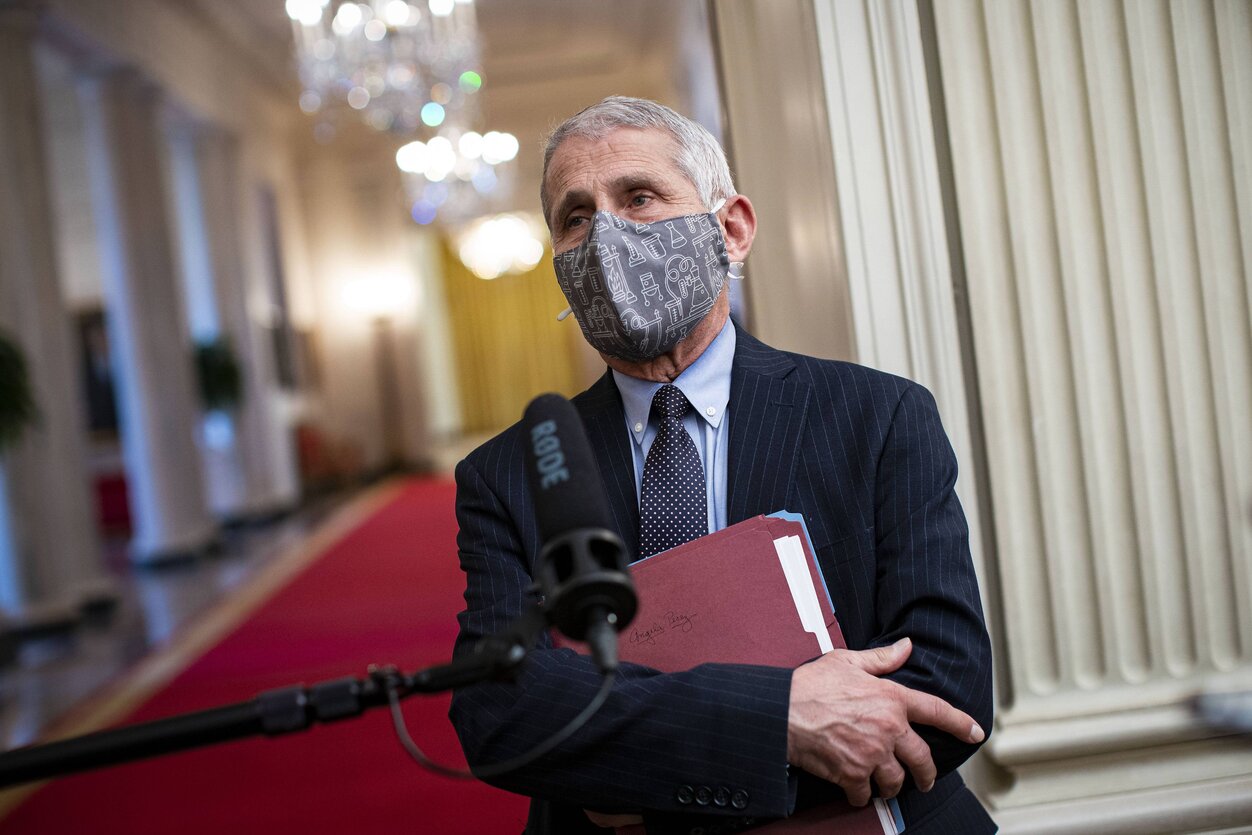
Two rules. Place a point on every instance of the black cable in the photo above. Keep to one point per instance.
(511, 764)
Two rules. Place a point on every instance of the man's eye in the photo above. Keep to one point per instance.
(574, 221)
(640, 200)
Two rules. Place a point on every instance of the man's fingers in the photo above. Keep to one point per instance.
(858, 792)
(926, 709)
(881, 660)
(890, 777)
(913, 751)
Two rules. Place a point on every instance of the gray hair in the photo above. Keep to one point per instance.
(699, 156)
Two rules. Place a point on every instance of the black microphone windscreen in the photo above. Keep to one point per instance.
(561, 469)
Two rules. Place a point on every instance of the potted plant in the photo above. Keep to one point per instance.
(17, 401)
(220, 377)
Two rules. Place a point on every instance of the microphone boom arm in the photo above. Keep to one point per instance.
(274, 712)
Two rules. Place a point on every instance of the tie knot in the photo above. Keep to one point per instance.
(670, 402)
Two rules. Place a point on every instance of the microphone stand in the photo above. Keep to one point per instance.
(274, 712)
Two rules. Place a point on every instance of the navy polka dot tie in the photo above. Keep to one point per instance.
(673, 507)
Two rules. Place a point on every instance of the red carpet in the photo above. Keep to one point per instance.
(387, 592)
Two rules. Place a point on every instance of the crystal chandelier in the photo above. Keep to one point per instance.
(457, 174)
(399, 65)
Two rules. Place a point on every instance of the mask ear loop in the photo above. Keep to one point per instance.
(736, 267)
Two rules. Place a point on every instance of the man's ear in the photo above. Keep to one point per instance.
(738, 226)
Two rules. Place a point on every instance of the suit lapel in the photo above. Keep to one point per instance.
(605, 421)
(768, 406)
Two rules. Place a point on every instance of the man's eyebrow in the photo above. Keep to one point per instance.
(624, 183)
(568, 202)
(634, 180)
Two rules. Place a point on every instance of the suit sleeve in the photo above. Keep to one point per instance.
(717, 725)
(926, 589)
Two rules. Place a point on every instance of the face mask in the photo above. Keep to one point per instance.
(637, 289)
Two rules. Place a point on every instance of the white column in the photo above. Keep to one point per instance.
(50, 560)
(896, 254)
(262, 455)
(1100, 153)
(148, 336)
(852, 257)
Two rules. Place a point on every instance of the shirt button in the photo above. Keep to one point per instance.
(704, 796)
(685, 795)
(722, 796)
(710, 411)
(739, 799)
(638, 427)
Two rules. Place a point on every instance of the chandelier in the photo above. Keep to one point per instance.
(457, 174)
(399, 65)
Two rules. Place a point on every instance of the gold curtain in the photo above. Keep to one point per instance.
(509, 346)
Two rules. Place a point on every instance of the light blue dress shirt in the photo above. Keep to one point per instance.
(706, 383)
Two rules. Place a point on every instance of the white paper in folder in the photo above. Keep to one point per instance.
(795, 567)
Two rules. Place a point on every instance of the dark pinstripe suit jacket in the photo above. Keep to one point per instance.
(863, 456)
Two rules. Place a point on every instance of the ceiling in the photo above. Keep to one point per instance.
(542, 59)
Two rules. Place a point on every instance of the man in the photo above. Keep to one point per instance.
(631, 190)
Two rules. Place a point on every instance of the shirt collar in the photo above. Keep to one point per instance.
(706, 382)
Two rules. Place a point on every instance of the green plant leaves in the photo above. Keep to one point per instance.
(18, 410)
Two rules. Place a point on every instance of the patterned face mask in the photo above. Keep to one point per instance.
(637, 289)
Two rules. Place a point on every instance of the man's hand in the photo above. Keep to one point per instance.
(848, 726)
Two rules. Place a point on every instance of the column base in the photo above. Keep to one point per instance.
(1205, 807)
(98, 598)
(174, 555)
(93, 602)
(41, 621)
(1194, 786)
(260, 517)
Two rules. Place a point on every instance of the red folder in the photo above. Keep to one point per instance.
(726, 598)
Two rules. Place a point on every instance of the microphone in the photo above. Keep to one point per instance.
(581, 570)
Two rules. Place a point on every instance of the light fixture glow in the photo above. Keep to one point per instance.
(308, 12)
(499, 147)
(412, 158)
(432, 114)
(346, 19)
(471, 144)
(494, 246)
(397, 12)
(380, 293)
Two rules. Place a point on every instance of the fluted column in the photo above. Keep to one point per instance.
(148, 335)
(1100, 153)
(50, 559)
